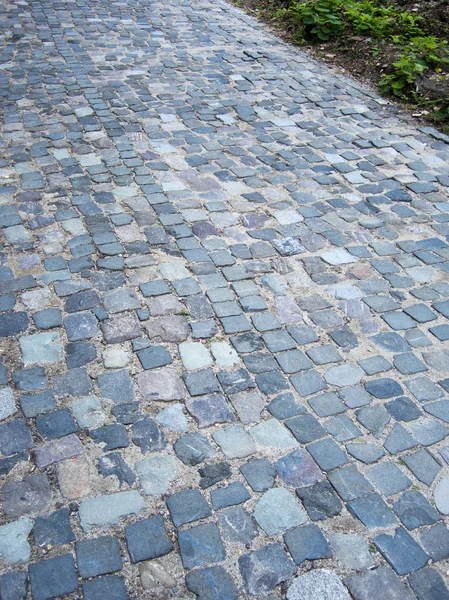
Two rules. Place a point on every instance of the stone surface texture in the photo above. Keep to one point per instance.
(224, 304)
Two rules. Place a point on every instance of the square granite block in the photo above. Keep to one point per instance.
(423, 465)
(53, 529)
(388, 478)
(53, 577)
(372, 511)
(307, 543)
(99, 556)
(401, 551)
(350, 483)
(327, 454)
(111, 587)
(56, 424)
(306, 428)
(212, 583)
(201, 545)
(414, 510)
(435, 541)
(13, 585)
(187, 506)
(147, 539)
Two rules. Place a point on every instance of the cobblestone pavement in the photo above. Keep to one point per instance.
(224, 316)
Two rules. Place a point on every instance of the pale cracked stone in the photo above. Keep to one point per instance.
(88, 411)
(352, 550)
(248, 406)
(14, 547)
(234, 442)
(273, 520)
(108, 510)
(116, 357)
(423, 274)
(173, 418)
(156, 473)
(224, 354)
(74, 227)
(120, 328)
(344, 291)
(161, 574)
(338, 256)
(438, 360)
(40, 348)
(173, 271)
(130, 233)
(119, 300)
(318, 584)
(194, 355)
(37, 299)
(271, 434)
(442, 496)
(7, 404)
(163, 384)
(174, 328)
(74, 477)
(125, 192)
(344, 375)
(55, 450)
(287, 311)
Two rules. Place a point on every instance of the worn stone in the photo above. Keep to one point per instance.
(14, 546)
(30, 496)
(173, 418)
(351, 550)
(193, 448)
(401, 551)
(320, 500)
(41, 348)
(56, 450)
(156, 473)
(377, 583)
(237, 525)
(234, 442)
(212, 583)
(147, 539)
(53, 577)
(271, 519)
(164, 385)
(441, 496)
(7, 404)
(318, 583)
(107, 510)
(201, 545)
(259, 473)
(264, 569)
(298, 469)
(271, 434)
(74, 477)
(210, 409)
(307, 543)
(428, 584)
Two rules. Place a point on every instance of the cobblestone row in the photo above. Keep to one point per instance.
(224, 304)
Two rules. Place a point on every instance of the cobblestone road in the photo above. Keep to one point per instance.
(224, 316)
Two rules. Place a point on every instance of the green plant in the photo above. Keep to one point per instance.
(419, 55)
(367, 17)
(404, 75)
(408, 24)
(320, 18)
